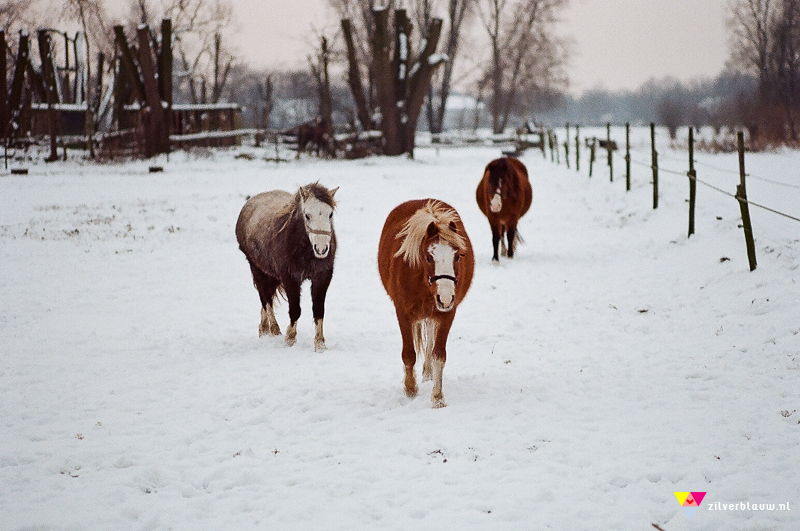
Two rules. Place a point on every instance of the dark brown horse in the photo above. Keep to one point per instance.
(504, 196)
(288, 239)
(426, 263)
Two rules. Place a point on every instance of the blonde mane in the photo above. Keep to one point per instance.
(416, 229)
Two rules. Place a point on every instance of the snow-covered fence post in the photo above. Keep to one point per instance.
(692, 182)
(654, 156)
(610, 153)
(557, 148)
(627, 156)
(741, 196)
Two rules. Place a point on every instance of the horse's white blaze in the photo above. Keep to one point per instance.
(318, 217)
(443, 256)
(496, 204)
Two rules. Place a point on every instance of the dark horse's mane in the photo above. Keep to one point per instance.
(502, 169)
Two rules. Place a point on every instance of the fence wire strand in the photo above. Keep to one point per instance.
(718, 189)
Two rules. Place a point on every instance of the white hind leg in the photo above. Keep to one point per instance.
(269, 325)
(424, 334)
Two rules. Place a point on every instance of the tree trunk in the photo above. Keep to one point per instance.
(354, 78)
(385, 84)
(420, 80)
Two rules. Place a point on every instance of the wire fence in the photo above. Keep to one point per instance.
(655, 166)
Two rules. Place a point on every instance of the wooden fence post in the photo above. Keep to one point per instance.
(566, 146)
(3, 85)
(654, 155)
(577, 148)
(51, 94)
(608, 149)
(557, 148)
(541, 137)
(157, 136)
(692, 182)
(741, 196)
(592, 155)
(627, 156)
(550, 144)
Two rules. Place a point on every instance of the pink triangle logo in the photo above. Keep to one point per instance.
(690, 501)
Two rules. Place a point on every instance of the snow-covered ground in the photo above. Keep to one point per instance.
(610, 364)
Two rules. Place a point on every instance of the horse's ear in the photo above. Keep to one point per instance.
(454, 227)
(433, 230)
(304, 194)
(333, 192)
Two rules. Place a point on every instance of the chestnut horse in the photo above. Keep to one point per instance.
(288, 239)
(426, 263)
(504, 196)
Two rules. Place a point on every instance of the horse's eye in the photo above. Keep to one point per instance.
(308, 217)
(330, 216)
(430, 260)
(458, 257)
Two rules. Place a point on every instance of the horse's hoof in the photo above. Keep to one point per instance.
(319, 346)
(411, 392)
(437, 402)
(269, 331)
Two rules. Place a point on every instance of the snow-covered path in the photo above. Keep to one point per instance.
(610, 364)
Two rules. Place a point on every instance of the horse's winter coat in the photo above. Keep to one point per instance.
(426, 263)
(288, 239)
(504, 196)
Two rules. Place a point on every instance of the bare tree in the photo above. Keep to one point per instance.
(765, 41)
(458, 12)
(523, 47)
(198, 29)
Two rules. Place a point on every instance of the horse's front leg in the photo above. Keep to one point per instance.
(439, 359)
(512, 235)
(319, 289)
(409, 354)
(292, 289)
(495, 242)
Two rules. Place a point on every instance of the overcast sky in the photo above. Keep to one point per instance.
(618, 44)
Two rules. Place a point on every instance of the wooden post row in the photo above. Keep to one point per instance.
(741, 196)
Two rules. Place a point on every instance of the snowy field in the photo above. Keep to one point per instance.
(610, 364)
